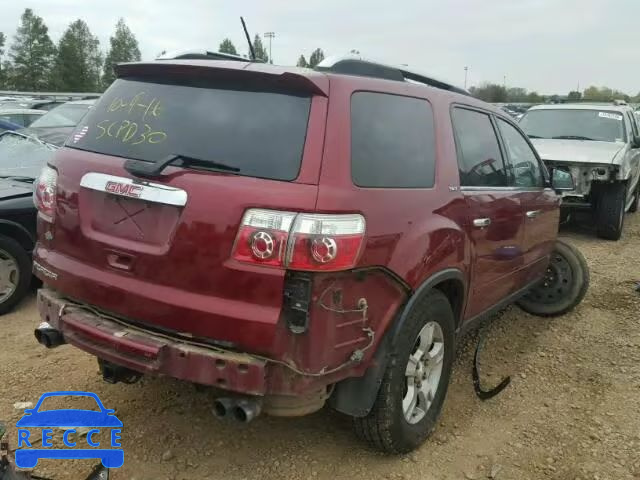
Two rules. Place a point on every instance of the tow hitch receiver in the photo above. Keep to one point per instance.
(112, 373)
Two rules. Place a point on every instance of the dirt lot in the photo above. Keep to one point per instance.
(572, 410)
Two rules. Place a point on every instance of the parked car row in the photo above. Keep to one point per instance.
(23, 154)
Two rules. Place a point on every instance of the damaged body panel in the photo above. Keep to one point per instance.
(349, 316)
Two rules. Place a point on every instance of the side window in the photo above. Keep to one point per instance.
(525, 165)
(392, 141)
(479, 159)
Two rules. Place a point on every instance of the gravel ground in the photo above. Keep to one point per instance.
(572, 410)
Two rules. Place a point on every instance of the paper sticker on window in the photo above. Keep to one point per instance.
(610, 116)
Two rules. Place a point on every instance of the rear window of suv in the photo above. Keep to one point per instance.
(392, 141)
(261, 133)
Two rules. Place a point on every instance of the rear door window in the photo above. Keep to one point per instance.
(261, 133)
(392, 141)
(480, 161)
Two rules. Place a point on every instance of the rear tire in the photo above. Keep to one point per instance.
(636, 199)
(15, 273)
(393, 426)
(565, 284)
(610, 211)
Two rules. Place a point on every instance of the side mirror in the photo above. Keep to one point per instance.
(562, 180)
(636, 142)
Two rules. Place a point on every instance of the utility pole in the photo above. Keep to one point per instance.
(270, 36)
(466, 72)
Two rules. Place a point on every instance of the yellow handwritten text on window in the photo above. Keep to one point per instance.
(136, 105)
(129, 132)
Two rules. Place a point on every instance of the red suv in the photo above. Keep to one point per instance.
(295, 237)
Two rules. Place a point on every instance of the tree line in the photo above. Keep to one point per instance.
(495, 93)
(33, 62)
(76, 63)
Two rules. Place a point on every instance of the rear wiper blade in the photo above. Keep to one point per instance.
(534, 136)
(573, 137)
(147, 169)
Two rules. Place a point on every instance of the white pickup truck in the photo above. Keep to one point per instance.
(600, 145)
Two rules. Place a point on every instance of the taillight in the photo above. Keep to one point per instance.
(315, 242)
(325, 242)
(262, 237)
(45, 193)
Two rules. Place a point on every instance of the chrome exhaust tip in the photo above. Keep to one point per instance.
(246, 410)
(223, 407)
(48, 336)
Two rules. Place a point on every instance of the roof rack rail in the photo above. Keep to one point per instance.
(354, 64)
(202, 55)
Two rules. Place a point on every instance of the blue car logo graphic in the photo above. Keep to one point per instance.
(69, 419)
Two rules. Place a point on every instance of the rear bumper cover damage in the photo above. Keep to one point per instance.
(151, 353)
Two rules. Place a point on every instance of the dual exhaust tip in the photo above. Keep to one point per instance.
(242, 410)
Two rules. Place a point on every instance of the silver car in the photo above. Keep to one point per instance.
(600, 145)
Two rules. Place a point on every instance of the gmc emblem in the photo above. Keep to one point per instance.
(124, 189)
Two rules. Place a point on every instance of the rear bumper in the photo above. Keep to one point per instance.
(147, 352)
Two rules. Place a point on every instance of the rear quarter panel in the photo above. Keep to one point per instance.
(411, 232)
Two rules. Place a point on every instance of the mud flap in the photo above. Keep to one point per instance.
(485, 394)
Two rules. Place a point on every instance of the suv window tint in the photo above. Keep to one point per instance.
(392, 141)
(525, 166)
(259, 132)
(479, 159)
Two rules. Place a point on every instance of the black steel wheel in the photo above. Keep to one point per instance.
(563, 286)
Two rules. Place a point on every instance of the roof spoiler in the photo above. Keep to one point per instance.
(227, 70)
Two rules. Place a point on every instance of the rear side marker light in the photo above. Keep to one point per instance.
(300, 241)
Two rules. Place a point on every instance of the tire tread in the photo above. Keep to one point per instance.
(377, 428)
(24, 264)
(612, 198)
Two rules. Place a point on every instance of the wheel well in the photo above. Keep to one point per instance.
(19, 234)
(454, 291)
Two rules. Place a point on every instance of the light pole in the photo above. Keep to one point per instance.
(466, 71)
(270, 36)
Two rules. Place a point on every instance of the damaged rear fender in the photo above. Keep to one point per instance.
(356, 396)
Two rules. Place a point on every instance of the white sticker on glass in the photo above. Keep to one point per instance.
(611, 116)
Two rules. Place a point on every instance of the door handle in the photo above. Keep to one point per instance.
(533, 213)
(481, 222)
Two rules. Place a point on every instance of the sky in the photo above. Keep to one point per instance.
(550, 46)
